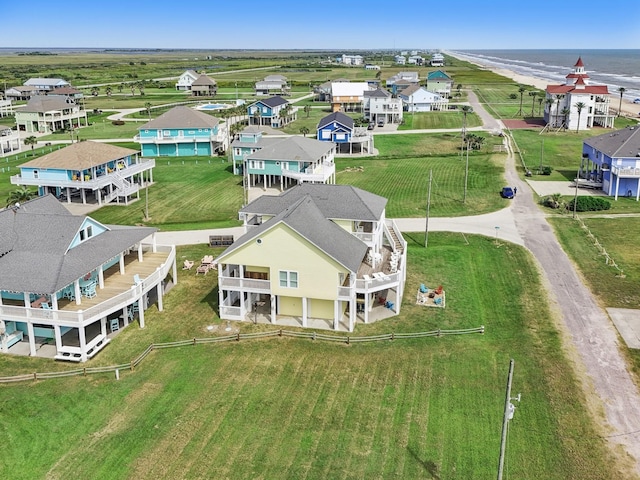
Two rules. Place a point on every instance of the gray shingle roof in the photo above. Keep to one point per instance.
(297, 149)
(35, 240)
(618, 144)
(203, 80)
(182, 117)
(272, 101)
(305, 217)
(80, 156)
(337, 202)
(379, 93)
(43, 103)
(339, 117)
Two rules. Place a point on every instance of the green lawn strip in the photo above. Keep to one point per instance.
(299, 409)
(431, 120)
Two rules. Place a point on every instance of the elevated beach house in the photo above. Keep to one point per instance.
(204, 86)
(183, 131)
(340, 129)
(380, 106)
(48, 114)
(611, 161)
(88, 172)
(186, 80)
(419, 99)
(317, 256)
(561, 100)
(68, 281)
(439, 82)
(45, 85)
(272, 85)
(274, 112)
(9, 140)
(348, 96)
(282, 162)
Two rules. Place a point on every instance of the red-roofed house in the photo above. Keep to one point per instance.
(562, 111)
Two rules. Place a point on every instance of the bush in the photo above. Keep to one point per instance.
(117, 122)
(544, 170)
(589, 204)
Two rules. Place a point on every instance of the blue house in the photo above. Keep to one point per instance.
(611, 161)
(282, 162)
(340, 129)
(88, 172)
(274, 112)
(69, 282)
(183, 131)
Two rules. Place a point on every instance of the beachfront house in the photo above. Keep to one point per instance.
(437, 60)
(285, 162)
(69, 282)
(316, 256)
(183, 131)
(402, 80)
(274, 112)
(88, 172)
(48, 114)
(418, 99)
(45, 85)
(186, 80)
(340, 129)
(379, 106)
(204, 86)
(272, 85)
(400, 59)
(611, 162)
(20, 92)
(439, 82)
(348, 96)
(9, 140)
(561, 110)
(354, 60)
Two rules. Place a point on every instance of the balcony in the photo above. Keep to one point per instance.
(626, 172)
(319, 173)
(244, 284)
(173, 139)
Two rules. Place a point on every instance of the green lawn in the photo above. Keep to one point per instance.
(426, 120)
(281, 408)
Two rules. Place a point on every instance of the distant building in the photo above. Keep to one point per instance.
(186, 79)
(272, 85)
(347, 97)
(48, 114)
(437, 60)
(439, 82)
(9, 140)
(45, 85)
(372, 67)
(204, 86)
(352, 59)
(400, 59)
(418, 99)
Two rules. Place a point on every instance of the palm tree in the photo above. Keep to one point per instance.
(579, 106)
(133, 89)
(533, 94)
(30, 141)
(540, 100)
(559, 97)
(257, 115)
(95, 91)
(549, 102)
(304, 131)
(147, 107)
(621, 90)
(20, 195)
(108, 91)
(307, 110)
(565, 112)
(521, 90)
(466, 109)
(120, 87)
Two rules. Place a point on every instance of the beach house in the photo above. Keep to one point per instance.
(204, 86)
(272, 85)
(69, 282)
(183, 131)
(9, 140)
(380, 107)
(88, 172)
(419, 99)
(611, 161)
(274, 112)
(577, 104)
(48, 114)
(439, 82)
(45, 85)
(186, 80)
(348, 96)
(316, 256)
(340, 129)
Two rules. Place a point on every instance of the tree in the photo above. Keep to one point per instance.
(559, 97)
(307, 110)
(108, 91)
(120, 87)
(304, 131)
(621, 90)
(31, 141)
(533, 94)
(540, 100)
(521, 91)
(20, 195)
(147, 107)
(458, 88)
(95, 91)
(549, 103)
(466, 109)
(133, 89)
(579, 106)
(257, 115)
(565, 112)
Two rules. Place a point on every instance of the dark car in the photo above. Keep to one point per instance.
(371, 126)
(507, 192)
(381, 123)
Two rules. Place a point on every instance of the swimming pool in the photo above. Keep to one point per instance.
(213, 106)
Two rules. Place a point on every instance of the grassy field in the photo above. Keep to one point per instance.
(425, 120)
(298, 409)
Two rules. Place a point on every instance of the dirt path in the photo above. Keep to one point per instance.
(590, 329)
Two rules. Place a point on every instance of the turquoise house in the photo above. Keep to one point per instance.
(181, 132)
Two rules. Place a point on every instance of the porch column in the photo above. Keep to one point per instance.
(151, 176)
(27, 299)
(304, 311)
(617, 185)
(101, 277)
(125, 316)
(121, 263)
(99, 195)
(273, 309)
(352, 311)
(140, 252)
(367, 300)
(68, 195)
(141, 312)
(83, 343)
(159, 293)
(32, 339)
(154, 245)
(84, 194)
(103, 326)
(77, 293)
(336, 314)
(174, 272)
(54, 301)
(637, 196)
(58, 335)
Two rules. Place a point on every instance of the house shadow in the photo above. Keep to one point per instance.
(430, 467)
(212, 299)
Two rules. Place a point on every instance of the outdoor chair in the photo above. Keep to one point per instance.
(90, 290)
(204, 269)
(187, 265)
(115, 324)
(45, 305)
(136, 279)
(423, 288)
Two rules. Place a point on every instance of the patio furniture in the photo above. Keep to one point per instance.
(37, 303)
(45, 306)
(187, 264)
(207, 260)
(203, 269)
(115, 324)
(136, 279)
(423, 288)
(89, 290)
(69, 293)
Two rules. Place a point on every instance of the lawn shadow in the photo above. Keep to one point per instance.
(430, 467)
(568, 174)
(415, 237)
(212, 299)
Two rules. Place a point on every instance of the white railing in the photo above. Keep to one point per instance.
(177, 138)
(365, 237)
(345, 293)
(248, 284)
(319, 174)
(625, 171)
(375, 284)
(230, 313)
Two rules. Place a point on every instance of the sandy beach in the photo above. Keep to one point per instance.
(628, 108)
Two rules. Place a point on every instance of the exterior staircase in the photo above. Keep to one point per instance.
(123, 187)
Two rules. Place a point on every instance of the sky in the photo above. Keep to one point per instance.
(356, 25)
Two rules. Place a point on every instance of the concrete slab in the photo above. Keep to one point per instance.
(566, 188)
(627, 321)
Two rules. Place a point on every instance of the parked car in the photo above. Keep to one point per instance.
(371, 126)
(381, 123)
(507, 192)
(637, 100)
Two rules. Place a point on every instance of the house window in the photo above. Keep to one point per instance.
(256, 164)
(35, 174)
(86, 233)
(284, 165)
(236, 151)
(166, 133)
(326, 133)
(192, 132)
(288, 279)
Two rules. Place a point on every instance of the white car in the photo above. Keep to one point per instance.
(637, 100)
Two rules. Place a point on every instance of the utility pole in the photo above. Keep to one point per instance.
(575, 198)
(466, 175)
(426, 228)
(541, 155)
(509, 409)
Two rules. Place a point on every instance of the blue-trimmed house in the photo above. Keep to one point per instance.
(439, 82)
(183, 131)
(89, 172)
(274, 112)
(69, 283)
(340, 129)
(611, 161)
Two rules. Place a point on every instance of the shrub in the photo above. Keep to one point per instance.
(117, 122)
(589, 204)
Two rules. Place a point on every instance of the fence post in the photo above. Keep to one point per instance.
(84, 372)
(393, 336)
(238, 337)
(280, 332)
(194, 341)
(347, 339)
(482, 329)
(313, 337)
(35, 376)
(131, 365)
(439, 333)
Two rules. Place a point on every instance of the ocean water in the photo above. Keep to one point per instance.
(614, 68)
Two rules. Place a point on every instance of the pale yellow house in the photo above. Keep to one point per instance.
(317, 256)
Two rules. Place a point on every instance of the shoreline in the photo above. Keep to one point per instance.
(628, 108)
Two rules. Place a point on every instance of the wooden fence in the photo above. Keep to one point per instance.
(235, 338)
(608, 260)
